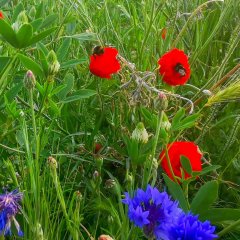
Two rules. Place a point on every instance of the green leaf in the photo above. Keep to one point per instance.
(217, 215)
(36, 24)
(7, 33)
(205, 197)
(84, 37)
(4, 61)
(63, 49)
(13, 91)
(73, 63)
(206, 170)
(42, 35)
(178, 116)
(49, 20)
(17, 9)
(29, 64)
(176, 192)
(81, 94)
(24, 35)
(69, 83)
(186, 164)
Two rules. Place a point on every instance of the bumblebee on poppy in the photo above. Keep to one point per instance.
(174, 67)
(98, 50)
(104, 62)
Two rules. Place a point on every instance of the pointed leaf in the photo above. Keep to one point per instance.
(24, 35)
(7, 33)
(205, 197)
(186, 164)
(42, 35)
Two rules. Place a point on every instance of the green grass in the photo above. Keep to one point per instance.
(67, 113)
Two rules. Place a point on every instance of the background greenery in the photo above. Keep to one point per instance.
(67, 113)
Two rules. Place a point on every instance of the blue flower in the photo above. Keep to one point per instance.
(9, 207)
(153, 211)
(189, 227)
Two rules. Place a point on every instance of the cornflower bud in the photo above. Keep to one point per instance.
(29, 80)
(162, 102)
(52, 163)
(140, 134)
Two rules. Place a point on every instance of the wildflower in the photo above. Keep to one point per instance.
(52, 163)
(1, 15)
(175, 151)
(174, 67)
(53, 64)
(189, 227)
(9, 207)
(105, 237)
(98, 147)
(164, 33)
(103, 63)
(153, 211)
(140, 133)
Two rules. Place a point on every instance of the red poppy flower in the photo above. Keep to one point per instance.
(164, 33)
(105, 63)
(174, 67)
(175, 151)
(1, 15)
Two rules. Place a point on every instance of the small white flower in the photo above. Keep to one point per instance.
(140, 134)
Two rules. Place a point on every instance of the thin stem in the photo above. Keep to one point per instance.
(229, 228)
(169, 164)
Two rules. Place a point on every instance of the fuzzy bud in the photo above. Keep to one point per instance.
(105, 237)
(162, 102)
(29, 80)
(52, 163)
(110, 183)
(140, 134)
(53, 64)
(165, 124)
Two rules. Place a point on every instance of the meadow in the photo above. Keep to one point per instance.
(120, 119)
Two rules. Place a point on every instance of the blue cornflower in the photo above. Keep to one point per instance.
(153, 211)
(189, 227)
(9, 207)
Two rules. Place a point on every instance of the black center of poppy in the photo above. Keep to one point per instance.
(180, 69)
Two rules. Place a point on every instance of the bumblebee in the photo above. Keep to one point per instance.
(98, 50)
(180, 69)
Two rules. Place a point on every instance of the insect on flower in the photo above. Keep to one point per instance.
(175, 151)
(174, 67)
(104, 62)
(9, 207)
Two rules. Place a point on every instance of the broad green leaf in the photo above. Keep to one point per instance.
(69, 83)
(7, 33)
(205, 197)
(63, 49)
(58, 89)
(24, 35)
(36, 24)
(186, 164)
(4, 61)
(217, 215)
(176, 192)
(42, 35)
(81, 94)
(29, 64)
(13, 91)
(39, 10)
(178, 116)
(72, 63)
(49, 20)
(17, 9)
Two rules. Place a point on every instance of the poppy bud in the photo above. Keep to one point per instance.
(53, 64)
(140, 134)
(29, 80)
(1, 15)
